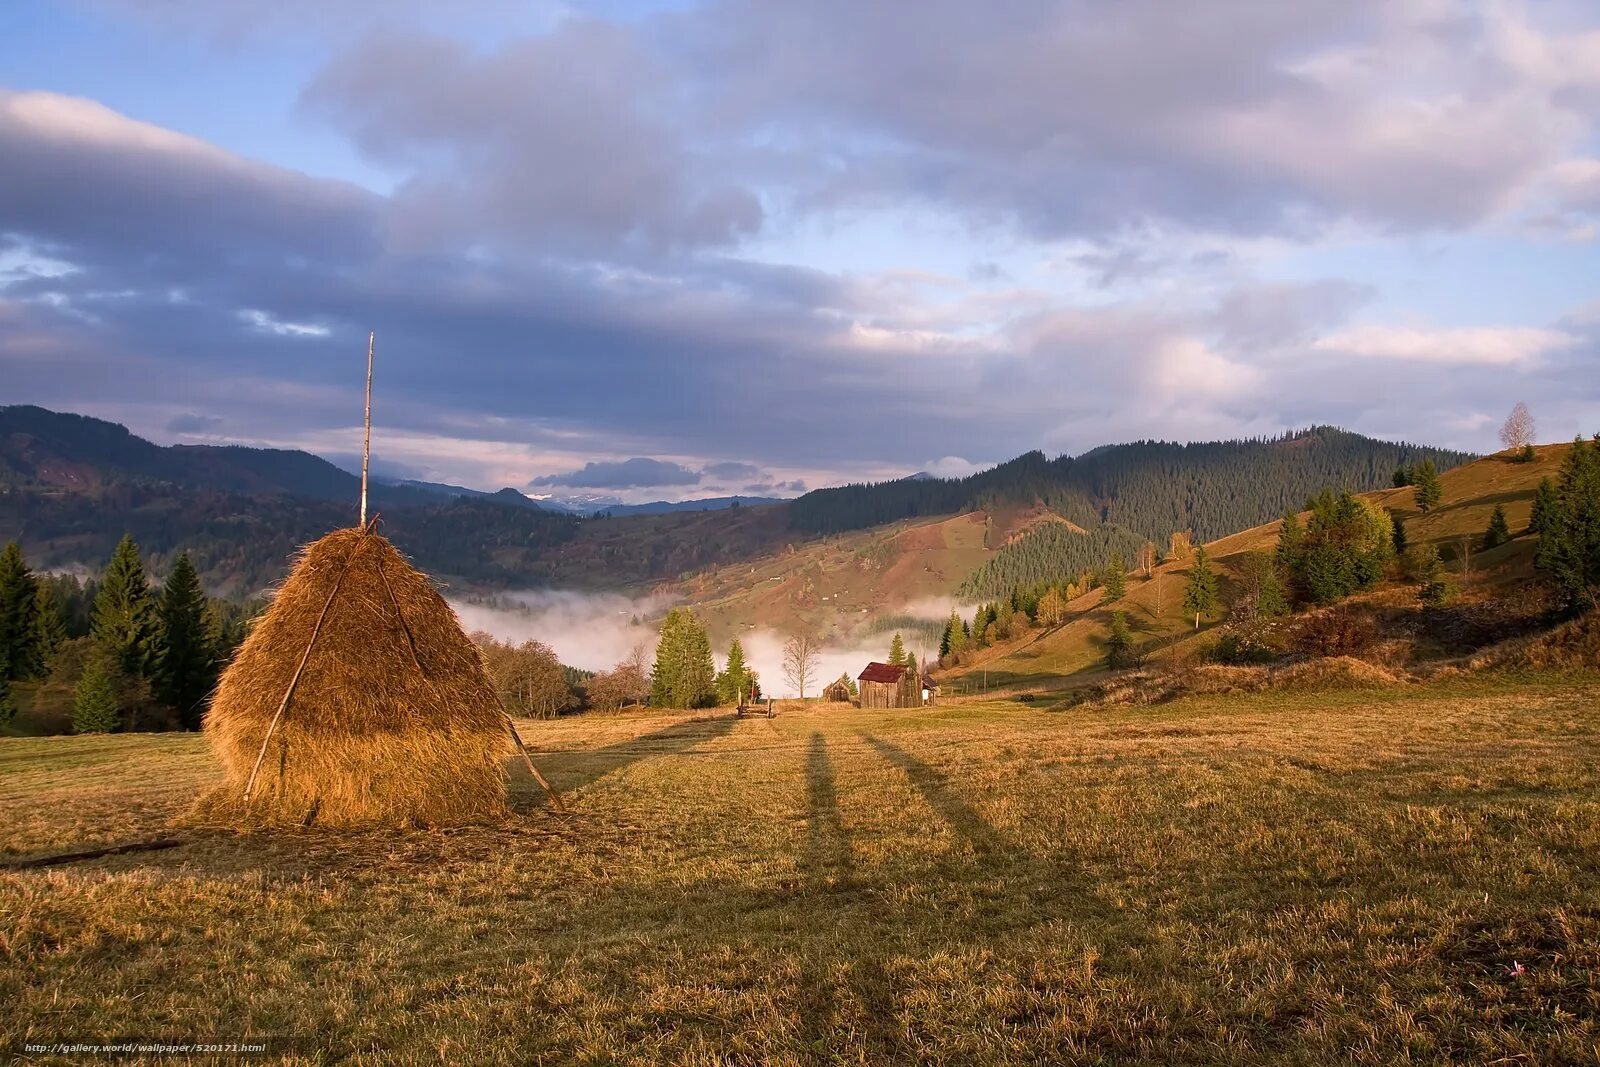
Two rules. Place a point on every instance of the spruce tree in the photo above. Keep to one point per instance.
(1200, 595)
(684, 675)
(1544, 507)
(1115, 581)
(8, 702)
(185, 672)
(733, 684)
(19, 637)
(1569, 548)
(897, 651)
(124, 617)
(1434, 587)
(50, 625)
(1428, 490)
(1119, 641)
(1398, 535)
(95, 707)
(1290, 537)
(1499, 532)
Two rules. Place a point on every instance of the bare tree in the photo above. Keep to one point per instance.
(1517, 433)
(1147, 558)
(800, 660)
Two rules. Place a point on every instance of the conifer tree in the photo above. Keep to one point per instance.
(684, 675)
(124, 617)
(1115, 581)
(1499, 532)
(1200, 595)
(1398, 534)
(185, 672)
(1428, 490)
(1569, 548)
(897, 651)
(50, 627)
(19, 638)
(1434, 587)
(8, 702)
(1290, 536)
(733, 684)
(95, 703)
(1119, 641)
(1544, 507)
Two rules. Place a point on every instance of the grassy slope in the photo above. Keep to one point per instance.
(1295, 879)
(837, 584)
(1470, 494)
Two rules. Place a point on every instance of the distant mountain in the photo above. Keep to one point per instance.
(508, 495)
(665, 507)
(48, 448)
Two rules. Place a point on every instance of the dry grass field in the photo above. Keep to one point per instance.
(1375, 877)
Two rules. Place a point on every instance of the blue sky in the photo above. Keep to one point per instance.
(712, 236)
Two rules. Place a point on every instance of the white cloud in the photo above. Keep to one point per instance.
(1480, 345)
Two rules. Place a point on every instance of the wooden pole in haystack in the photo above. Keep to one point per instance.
(366, 442)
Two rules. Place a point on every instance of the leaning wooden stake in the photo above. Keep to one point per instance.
(555, 798)
(366, 442)
(316, 630)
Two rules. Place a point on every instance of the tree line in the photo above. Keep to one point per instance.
(114, 653)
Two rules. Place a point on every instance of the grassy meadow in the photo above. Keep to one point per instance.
(1398, 875)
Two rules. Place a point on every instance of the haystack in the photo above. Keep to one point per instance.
(378, 707)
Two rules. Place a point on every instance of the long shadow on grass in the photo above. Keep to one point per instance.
(934, 786)
(827, 861)
(576, 769)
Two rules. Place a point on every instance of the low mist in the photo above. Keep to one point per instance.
(596, 631)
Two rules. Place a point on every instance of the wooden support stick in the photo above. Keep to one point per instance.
(283, 704)
(91, 853)
(366, 443)
(555, 798)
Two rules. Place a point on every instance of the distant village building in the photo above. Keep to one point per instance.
(884, 685)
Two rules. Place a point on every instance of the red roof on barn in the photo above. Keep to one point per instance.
(881, 672)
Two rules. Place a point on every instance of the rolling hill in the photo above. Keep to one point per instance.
(1075, 648)
(70, 486)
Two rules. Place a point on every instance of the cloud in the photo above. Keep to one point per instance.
(1485, 346)
(734, 471)
(636, 473)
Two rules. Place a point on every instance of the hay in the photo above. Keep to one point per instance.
(393, 719)
(1336, 672)
(1573, 645)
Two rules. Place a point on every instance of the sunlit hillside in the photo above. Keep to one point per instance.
(1050, 658)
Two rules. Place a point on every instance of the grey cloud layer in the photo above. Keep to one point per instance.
(562, 273)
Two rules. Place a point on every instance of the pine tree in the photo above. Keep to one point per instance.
(1499, 532)
(124, 617)
(8, 702)
(1428, 490)
(897, 651)
(1290, 537)
(185, 671)
(1200, 595)
(684, 675)
(733, 684)
(50, 626)
(19, 638)
(1115, 581)
(95, 705)
(1398, 534)
(1119, 641)
(1434, 587)
(1544, 507)
(1569, 548)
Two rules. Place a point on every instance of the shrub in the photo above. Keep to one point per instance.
(1335, 633)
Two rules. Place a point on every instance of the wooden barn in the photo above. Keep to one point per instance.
(883, 685)
(837, 692)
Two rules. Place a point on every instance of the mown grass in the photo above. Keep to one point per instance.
(1380, 877)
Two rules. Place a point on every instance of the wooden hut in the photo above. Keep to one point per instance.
(837, 692)
(884, 685)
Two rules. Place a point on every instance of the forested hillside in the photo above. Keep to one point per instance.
(1151, 488)
(1049, 552)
